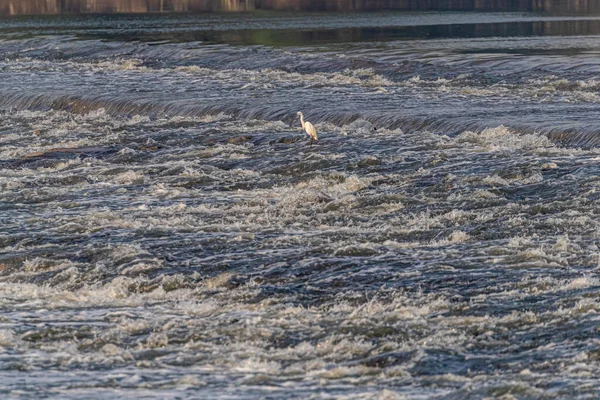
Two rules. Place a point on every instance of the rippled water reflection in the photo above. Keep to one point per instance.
(168, 233)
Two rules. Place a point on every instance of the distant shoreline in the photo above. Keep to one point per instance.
(51, 7)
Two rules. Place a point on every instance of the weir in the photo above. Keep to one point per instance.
(32, 7)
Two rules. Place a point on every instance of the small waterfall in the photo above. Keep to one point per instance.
(584, 136)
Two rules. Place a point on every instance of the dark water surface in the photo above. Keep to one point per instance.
(166, 231)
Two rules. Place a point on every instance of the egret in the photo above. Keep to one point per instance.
(308, 128)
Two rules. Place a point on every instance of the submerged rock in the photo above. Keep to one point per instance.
(239, 139)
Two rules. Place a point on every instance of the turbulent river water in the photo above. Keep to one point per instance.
(167, 232)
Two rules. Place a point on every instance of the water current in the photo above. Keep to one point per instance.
(167, 231)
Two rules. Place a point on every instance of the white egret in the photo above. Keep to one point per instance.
(308, 128)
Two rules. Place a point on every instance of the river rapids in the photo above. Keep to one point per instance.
(167, 231)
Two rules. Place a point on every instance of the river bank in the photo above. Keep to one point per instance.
(40, 7)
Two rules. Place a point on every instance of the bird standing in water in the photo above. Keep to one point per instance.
(308, 128)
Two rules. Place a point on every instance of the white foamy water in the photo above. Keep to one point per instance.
(167, 231)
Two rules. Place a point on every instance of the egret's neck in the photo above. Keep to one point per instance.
(302, 120)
